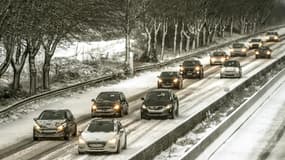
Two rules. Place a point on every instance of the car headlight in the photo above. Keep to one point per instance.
(94, 107)
(169, 106)
(213, 59)
(143, 106)
(175, 80)
(81, 140)
(181, 68)
(236, 69)
(267, 37)
(260, 44)
(223, 59)
(197, 68)
(61, 127)
(37, 126)
(223, 69)
(112, 141)
(256, 52)
(231, 50)
(159, 80)
(243, 50)
(117, 107)
(275, 37)
(268, 52)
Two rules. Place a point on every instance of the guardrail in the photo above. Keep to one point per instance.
(137, 69)
(162, 143)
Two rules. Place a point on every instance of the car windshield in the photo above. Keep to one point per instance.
(271, 33)
(168, 74)
(218, 53)
(158, 96)
(108, 96)
(52, 115)
(231, 64)
(238, 45)
(190, 63)
(255, 40)
(101, 126)
(264, 48)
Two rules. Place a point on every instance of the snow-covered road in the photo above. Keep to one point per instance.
(256, 137)
(195, 95)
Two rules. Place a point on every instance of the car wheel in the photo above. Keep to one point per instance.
(35, 138)
(172, 114)
(221, 77)
(121, 114)
(127, 111)
(75, 131)
(125, 145)
(119, 147)
(177, 111)
(67, 136)
(79, 152)
(269, 56)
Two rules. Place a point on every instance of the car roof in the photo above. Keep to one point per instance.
(160, 89)
(103, 120)
(232, 61)
(116, 92)
(56, 110)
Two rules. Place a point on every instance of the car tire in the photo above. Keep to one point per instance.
(75, 131)
(79, 152)
(67, 136)
(127, 111)
(125, 145)
(172, 115)
(118, 147)
(35, 138)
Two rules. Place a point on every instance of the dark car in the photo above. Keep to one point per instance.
(55, 123)
(272, 37)
(160, 103)
(192, 69)
(238, 49)
(170, 79)
(255, 43)
(263, 52)
(231, 68)
(110, 104)
(218, 57)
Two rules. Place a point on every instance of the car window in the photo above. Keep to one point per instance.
(101, 126)
(191, 63)
(238, 45)
(158, 96)
(52, 115)
(218, 54)
(105, 96)
(231, 64)
(168, 74)
(255, 40)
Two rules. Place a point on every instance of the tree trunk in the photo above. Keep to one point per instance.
(156, 29)
(16, 79)
(194, 42)
(198, 39)
(175, 37)
(187, 43)
(204, 35)
(33, 75)
(4, 66)
(231, 26)
(46, 71)
(164, 32)
(181, 39)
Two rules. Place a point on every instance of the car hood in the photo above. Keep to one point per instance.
(168, 78)
(97, 136)
(230, 68)
(50, 123)
(106, 103)
(156, 103)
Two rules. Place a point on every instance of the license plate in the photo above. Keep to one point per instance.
(189, 73)
(96, 145)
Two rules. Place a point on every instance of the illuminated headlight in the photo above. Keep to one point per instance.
(223, 69)
(159, 80)
(61, 127)
(223, 59)
(267, 37)
(256, 52)
(275, 37)
(236, 69)
(94, 107)
(231, 50)
(181, 68)
(243, 50)
(112, 141)
(37, 126)
(117, 107)
(81, 140)
(143, 106)
(260, 44)
(268, 52)
(197, 68)
(169, 106)
(175, 80)
(213, 59)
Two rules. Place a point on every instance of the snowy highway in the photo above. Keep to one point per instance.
(195, 95)
(261, 136)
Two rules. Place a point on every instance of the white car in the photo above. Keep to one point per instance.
(238, 49)
(255, 43)
(103, 135)
(231, 68)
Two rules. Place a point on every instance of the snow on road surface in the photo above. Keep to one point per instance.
(252, 140)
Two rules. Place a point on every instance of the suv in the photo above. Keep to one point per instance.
(110, 104)
(54, 123)
(170, 79)
(192, 68)
(160, 103)
(238, 49)
(272, 37)
(263, 52)
(255, 43)
(218, 57)
(231, 68)
(102, 135)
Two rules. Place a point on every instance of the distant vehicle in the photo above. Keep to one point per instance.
(272, 37)
(55, 124)
(110, 104)
(263, 52)
(238, 49)
(170, 79)
(255, 43)
(102, 135)
(160, 103)
(192, 69)
(231, 68)
(218, 57)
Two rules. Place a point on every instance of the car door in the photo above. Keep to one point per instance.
(121, 134)
(124, 102)
(70, 121)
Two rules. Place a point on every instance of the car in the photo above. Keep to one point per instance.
(263, 52)
(110, 103)
(170, 79)
(255, 43)
(272, 37)
(192, 69)
(159, 103)
(218, 57)
(55, 124)
(102, 135)
(238, 49)
(231, 68)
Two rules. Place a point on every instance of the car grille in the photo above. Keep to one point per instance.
(255, 45)
(155, 107)
(48, 131)
(96, 145)
(105, 107)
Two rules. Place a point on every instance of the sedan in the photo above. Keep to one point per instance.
(263, 52)
(218, 57)
(54, 123)
(231, 68)
(170, 79)
(102, 135)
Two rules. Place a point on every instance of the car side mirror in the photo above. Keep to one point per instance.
(122, 130)
(180, 65)
(142, 98)
(35, 119)
(93, 100)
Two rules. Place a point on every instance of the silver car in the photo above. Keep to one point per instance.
(103, 135)
(255, 43)
(231, 68)
(238, 49)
